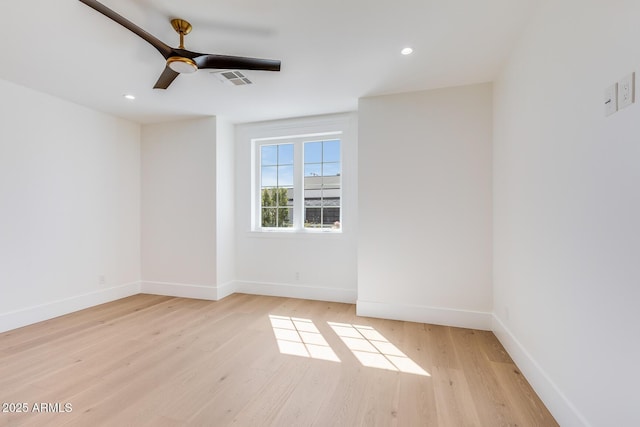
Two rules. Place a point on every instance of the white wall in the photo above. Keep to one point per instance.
(567, 209)
(424, 248)
(179, 208)
(267, 263)
(225, 205)
(69, 206)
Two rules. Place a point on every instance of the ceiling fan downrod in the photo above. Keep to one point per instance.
(183, 28)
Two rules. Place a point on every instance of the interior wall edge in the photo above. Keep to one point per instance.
(565, 413)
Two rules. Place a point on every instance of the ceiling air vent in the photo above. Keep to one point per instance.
(235, 78)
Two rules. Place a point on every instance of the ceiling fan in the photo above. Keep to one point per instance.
(179, 60)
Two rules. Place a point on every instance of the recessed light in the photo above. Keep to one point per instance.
(406, 51)
(129, 96)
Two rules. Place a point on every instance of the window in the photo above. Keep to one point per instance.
(300, 183)
(322, 184)
(276, 184)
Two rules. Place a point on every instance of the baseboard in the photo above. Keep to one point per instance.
(423, 314)
(296, 291)
(27, 316)
(565, 413)
(181, 290)
(226, 289)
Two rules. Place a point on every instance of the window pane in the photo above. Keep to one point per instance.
(268, 197)
(285, 154)
(269, 177)
(285, 176)
(277, 217)
(269, 155)
(330, 201)
(332, 185)
(312, 197)
(268, 217)
(331, 169)
(286, 197)
(312, 217)
(330, 216)
(285, 217)
(313, 152)
(312, 169)
(276, 197)
(331, 151)
(313, 182)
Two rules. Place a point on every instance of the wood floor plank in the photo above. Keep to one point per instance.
(416, 401)
(163, 361)
(303, 407)
(491, 347)
(240, 388)
(522, 400)
(454, 402)
(274, 395)
(341, 407)
(485, 389)
(441, 346)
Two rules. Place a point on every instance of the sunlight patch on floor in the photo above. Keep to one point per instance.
(373, 350)
(300, 337)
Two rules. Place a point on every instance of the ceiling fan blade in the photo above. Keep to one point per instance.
(236, 62)
(166, 78)
(165, 50)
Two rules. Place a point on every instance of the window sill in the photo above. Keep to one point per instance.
(295, 234)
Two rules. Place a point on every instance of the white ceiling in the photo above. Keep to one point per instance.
(332, 51)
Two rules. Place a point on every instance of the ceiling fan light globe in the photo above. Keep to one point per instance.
(182, 65)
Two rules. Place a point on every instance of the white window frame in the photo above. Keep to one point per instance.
(298, 185)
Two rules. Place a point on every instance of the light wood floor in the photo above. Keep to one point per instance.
(161, 361)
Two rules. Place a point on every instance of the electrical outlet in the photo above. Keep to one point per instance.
(102, 280)
(297, 276)
(611, 100)
(626, 91)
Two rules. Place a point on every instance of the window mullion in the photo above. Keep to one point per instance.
(298, 188)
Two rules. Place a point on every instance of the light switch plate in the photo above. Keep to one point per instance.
(611, 100)
(626, 91)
